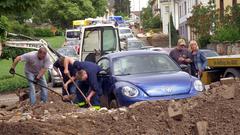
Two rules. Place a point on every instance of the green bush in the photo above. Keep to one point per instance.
(203, 41)
(43, 32)
(227, 33)
(12, 83)
(59, 32)
(155, 22)
(12, 52)
(16, 27)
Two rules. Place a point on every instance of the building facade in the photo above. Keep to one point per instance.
(185, 8)
(165, 8)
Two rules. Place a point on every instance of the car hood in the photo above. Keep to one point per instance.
(163, 84)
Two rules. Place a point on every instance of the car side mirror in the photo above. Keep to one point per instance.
(184, 67)
(103, 73)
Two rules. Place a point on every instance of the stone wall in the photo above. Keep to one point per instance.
(225, 48)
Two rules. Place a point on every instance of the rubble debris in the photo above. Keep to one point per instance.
(175, 110)
(227, 81)
(202, 127)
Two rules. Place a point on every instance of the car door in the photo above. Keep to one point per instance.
(107, 80)
(104, 63)
(98, 41)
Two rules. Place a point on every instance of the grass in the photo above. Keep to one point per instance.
(9, 82)
(55, 42)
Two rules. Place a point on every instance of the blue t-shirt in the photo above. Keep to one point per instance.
(92, 70)
(72, 70)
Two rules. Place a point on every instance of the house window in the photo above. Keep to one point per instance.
(180, 12)
(167, 9)
(185, 8)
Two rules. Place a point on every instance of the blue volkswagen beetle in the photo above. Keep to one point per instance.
(133, 76)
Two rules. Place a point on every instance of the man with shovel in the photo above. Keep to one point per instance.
(36, 64)
(89, 84)
(68, 89)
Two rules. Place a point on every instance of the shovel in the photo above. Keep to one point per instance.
(58, 73)
(39, 84)
(90, 105)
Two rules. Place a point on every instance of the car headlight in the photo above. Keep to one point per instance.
(130, 91)
(198, 85)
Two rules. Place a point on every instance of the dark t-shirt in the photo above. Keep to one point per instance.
(175, 54)
(92, 70)
(72, 71)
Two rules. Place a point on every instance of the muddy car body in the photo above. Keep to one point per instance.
(133, 76)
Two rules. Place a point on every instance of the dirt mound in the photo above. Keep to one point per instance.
(213, 112)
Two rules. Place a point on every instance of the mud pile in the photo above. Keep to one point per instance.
(215, 111)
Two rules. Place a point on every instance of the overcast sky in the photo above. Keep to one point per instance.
(135, 4)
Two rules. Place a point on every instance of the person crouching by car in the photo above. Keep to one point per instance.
(199, 59)
(68, 87)
(88, 81)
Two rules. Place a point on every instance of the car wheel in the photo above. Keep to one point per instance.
(54, 84)
(113, 103)
(231, 72)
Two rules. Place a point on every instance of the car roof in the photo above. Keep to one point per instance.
(129, 53)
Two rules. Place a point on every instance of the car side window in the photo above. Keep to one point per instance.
(104, 64)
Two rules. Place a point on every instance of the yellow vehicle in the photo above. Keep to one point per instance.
(80, 23)
(221, 66)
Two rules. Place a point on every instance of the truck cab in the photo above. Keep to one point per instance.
(97, 40)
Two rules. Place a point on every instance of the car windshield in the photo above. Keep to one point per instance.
(135, 45)
(73, 34)
(210, 53)
(68, 51)
(143, 63)
(124, 31)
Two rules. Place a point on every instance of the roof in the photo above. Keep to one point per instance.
(129, 53)
(99, 25)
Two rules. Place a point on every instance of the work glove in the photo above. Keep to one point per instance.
(35, 81)
(12, 71)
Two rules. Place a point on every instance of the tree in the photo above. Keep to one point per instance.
(100, 6)
(147, 19)
(17, 10)
(62, 12)
(174, 33)
(122, 7)
(202, 20)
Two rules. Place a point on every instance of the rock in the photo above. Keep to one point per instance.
(3, 113)
(26, 116)
(151, 131)
(12, 107)
(115, 118)
(74, 116)
(3, 106)
(137, 104)
(46, 112)
(175, 110)
(215, 84)
(227, 81)
(15, 119)
(63, 117)
(229, 92)
(134, 118)
(207, 87)
(202, 127)
(123, 109)
(103, 110)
